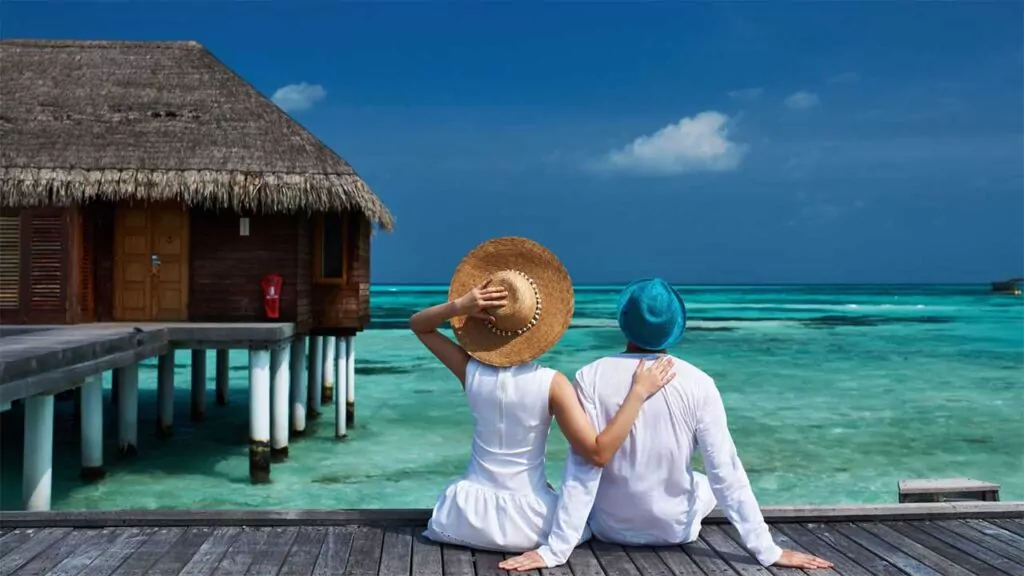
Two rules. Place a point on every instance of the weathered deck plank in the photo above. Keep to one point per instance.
(335, 551)
(947, 544)
(860, 548)
(457, 561)
(271, 554)
(396, 555)
(210, 554)
(613, 559)
(426, 556)
(180, 552)
(891, 553)
(678, 561)
(114, 556)
(242, 552)
(301, 558)
(1014, 553)
(86, 554)
(145, 556)
(812, 544)
(915, 550)
(486, 563)
(1015, 526)
(367, 544)
(30, 548)
(859, 554)
(54, 555)
(739, 559)
(582, 562)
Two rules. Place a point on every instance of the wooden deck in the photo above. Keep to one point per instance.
(949, 544)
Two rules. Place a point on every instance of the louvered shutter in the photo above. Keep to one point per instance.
(10, 261)
(46, 253)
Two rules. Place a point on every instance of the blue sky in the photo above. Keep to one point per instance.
(704, 143)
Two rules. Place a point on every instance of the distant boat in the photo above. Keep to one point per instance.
(1011, 286)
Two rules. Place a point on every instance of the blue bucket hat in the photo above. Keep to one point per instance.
(652, 314)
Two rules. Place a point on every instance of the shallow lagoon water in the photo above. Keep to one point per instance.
(834, 393)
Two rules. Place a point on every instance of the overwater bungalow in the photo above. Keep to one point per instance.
(1011, 286)
(151, 200)
(149, 182)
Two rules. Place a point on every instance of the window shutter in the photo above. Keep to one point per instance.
(10, 261)
(46, 255)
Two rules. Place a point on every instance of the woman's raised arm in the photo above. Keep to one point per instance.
(474, 303)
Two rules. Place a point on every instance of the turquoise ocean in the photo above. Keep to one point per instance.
(833, 393)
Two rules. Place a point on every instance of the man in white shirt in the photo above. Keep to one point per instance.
(649, 494)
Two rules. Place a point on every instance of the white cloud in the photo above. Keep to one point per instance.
(802, 100)
(301, 96)
(698, 143)
(746, 94)
(844, 78)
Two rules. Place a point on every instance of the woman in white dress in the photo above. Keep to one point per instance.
(503, 501)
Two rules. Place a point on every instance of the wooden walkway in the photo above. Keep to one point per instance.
(943, 546)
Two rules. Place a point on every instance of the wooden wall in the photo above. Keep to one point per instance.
(345, 308)
(64, 271)
(227, 267)
(101, 215)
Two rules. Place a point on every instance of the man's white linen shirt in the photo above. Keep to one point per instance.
(649, 494)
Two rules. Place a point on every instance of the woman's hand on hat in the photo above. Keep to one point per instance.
(649, 377)
(477, 301)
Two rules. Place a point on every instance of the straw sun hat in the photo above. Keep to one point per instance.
(540, 301)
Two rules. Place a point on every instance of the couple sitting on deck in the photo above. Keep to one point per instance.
(633, 483)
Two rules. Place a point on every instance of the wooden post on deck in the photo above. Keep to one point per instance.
(259, 416)
(315, 371)
(223, 376)
(37, 471)
(165, 395)
(128, 410)
(350, 381)
(327, 389)
(340, 421)
(198, 411)
(280, 363)
(297, 374)
(92, 429)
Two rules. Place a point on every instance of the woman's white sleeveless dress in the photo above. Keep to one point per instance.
(503, 501)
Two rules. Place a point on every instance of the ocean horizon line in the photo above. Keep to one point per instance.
(728, 285)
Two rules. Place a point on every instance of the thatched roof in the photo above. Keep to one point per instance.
(157, 120)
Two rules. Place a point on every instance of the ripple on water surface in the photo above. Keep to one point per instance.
(833, 395)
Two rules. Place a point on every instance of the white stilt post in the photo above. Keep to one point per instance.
(223, 376)
(327, 389)
(350, 381)
(92, 429)
(297, 374)
(37, 474)
(128, 410)
(340, 423)
(316, 371)
(198, 411)
(165, 394)
(280, 411)
(259, 416)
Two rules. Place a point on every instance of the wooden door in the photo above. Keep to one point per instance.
(151, 271)
(169, 243)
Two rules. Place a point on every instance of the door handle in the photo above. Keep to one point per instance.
(154, 265)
